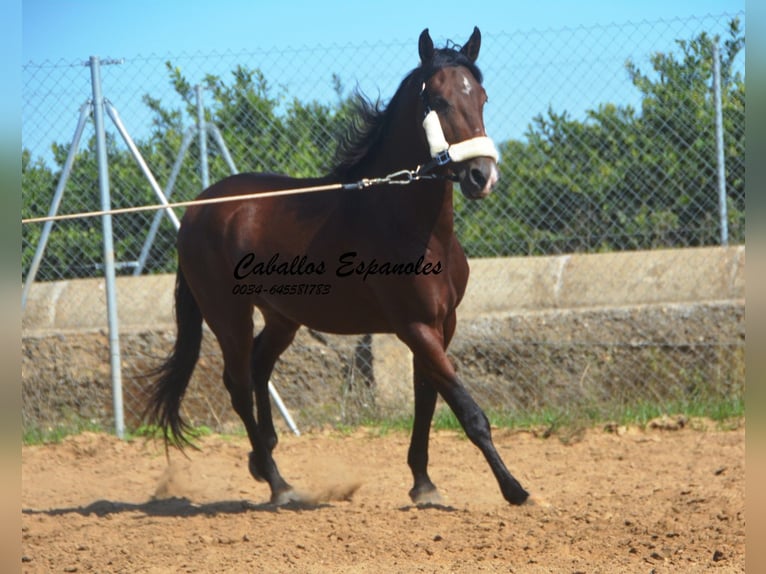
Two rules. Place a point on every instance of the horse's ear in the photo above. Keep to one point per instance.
(425, 47)
(471, 47)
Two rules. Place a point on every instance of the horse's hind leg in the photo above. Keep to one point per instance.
(270, 343)
(236, 343)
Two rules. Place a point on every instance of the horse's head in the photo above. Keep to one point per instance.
(453, 102)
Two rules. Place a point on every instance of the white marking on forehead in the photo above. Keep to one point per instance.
(466, 86)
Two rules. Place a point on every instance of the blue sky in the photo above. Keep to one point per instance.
(54, 29)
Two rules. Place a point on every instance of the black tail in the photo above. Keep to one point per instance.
(174, 374)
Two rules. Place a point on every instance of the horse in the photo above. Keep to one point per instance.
(384, 259)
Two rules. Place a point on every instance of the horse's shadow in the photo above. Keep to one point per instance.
(175, 507)
(182, 506)
(425, 506)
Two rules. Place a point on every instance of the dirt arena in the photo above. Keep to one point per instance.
(618, 500)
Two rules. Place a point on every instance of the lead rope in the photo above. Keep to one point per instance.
(403, 177)
(441, 152)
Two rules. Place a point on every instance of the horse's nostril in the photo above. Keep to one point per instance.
(478, 177)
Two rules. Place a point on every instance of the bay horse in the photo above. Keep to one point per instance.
(352, 261)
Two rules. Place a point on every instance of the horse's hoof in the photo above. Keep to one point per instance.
(286, 497)
(538, 501)
(425, 496)
(515, 494)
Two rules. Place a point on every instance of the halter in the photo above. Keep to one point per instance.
(443, 152)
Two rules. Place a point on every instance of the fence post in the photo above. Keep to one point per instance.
(109, 272)
(204, 175)
(720, 159)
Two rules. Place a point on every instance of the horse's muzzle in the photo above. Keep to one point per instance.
(477, 177)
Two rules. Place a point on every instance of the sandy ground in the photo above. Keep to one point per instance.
(627, 500)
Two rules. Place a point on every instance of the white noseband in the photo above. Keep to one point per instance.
(444, 152)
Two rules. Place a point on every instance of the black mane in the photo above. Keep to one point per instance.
(370, 120)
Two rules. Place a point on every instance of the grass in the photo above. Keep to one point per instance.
(564, 423)
(54, 435)
(568, 422)
(48, 435)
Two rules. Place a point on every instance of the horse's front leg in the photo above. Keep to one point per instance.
(426, 343)
(423, 490)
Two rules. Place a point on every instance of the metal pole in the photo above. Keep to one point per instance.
(283, 409)
(203, 169)
(169, 187)
(216, 133)
(112, 111)
(85, 111)
(109, 273)
(720, 158)
(185, 143)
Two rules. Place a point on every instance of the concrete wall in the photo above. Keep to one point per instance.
(530, 330)
(496, 285)
(605, 280)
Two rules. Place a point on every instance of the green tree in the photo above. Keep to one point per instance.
(263, 132)
(623, 179)
(678, 111)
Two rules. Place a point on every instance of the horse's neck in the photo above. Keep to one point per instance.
(420, 211)
(422, 206)
(432, 206)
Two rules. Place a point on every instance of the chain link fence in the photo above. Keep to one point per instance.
(611, 141)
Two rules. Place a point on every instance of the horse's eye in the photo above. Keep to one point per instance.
(438, 103)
